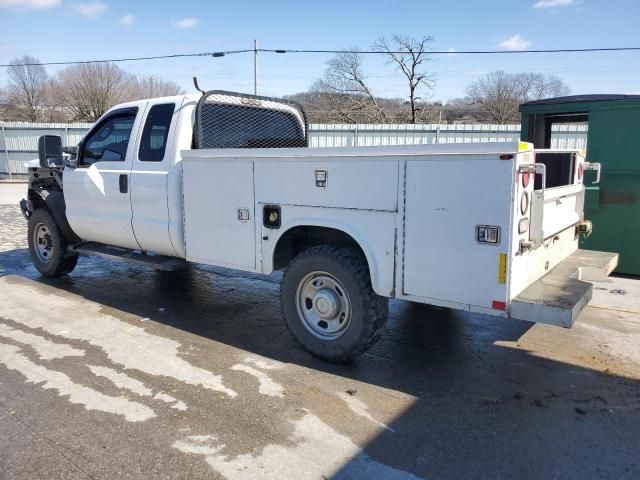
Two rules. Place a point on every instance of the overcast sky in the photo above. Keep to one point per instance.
(59, 30)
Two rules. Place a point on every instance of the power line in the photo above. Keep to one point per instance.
(462, 52)
(134, 59)
(364, 52)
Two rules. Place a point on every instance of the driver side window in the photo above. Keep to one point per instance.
(109, 142)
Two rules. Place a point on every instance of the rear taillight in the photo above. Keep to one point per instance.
(580, 171)
(523, 225)
(526, 178)
(524, 203)
(498, 305)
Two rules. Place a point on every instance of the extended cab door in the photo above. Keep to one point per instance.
(151, 166)
(97, 193)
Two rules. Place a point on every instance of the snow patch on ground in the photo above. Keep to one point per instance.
(124, 381)
(46, 349)
(51, 379)
(318, 451)
(121, 380)
(263, 363)
(198, 445)
(125, 344)
(361, 409)
(266, 385)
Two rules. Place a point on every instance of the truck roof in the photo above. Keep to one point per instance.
(221, 96)
(174, 98)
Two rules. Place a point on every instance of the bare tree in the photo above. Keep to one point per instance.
(5, 106)
(152, 86)
(408, 55)
(323, 107)
(536, 86)
(462, 110)
(501, 93)
(344, 91)
(89, 90)
(26, 87)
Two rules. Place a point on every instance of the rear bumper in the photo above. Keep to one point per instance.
(559, 296)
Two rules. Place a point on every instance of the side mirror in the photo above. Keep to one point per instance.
(71, 156)
(73, 151)
(50, 151)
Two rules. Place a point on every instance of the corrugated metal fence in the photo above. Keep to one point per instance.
(19, 140)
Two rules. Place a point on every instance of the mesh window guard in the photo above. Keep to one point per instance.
(238, 120)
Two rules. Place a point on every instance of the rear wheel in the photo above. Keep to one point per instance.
(48, 247)
(329, 305)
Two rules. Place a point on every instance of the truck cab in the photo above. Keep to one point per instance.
(125, 188)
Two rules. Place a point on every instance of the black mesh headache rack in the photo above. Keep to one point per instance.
(239, 120)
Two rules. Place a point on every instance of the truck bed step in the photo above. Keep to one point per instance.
(159, 262)
(559, 296)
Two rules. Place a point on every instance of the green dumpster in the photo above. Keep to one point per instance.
(613, 140)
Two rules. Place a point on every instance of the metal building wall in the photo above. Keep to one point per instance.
(345, 135)
(19, 140)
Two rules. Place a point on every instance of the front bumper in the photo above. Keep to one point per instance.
(559, 296)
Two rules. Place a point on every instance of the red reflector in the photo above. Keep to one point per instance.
(497, 305)
(506, 157)
(526, 176)
(580, 171)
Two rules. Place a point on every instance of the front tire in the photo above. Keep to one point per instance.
(48, 247)
(328, 303)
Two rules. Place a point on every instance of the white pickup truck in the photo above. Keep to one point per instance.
(226, 179)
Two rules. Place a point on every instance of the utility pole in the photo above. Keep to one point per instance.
(255, 67)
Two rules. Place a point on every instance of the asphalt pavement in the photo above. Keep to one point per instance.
(12, 192)
(117, 371)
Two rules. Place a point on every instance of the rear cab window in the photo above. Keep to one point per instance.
(155, 133)
(243, 126)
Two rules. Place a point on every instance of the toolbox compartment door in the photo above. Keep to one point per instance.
(219, 213)
(442, 257)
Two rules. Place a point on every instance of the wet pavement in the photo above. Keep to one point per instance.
(117, 371)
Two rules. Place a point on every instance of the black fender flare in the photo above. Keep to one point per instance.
(53, 202)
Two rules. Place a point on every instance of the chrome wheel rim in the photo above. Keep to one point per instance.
(42, 242)
(323, 305)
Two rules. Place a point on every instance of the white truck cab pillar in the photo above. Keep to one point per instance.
(151, 165)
